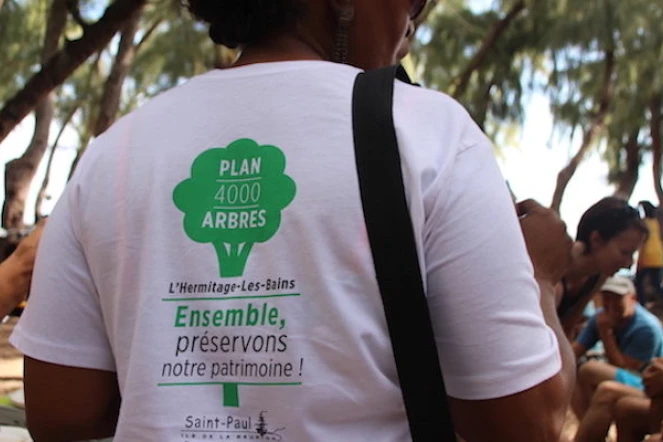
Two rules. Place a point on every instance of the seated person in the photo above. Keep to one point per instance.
(636, 417)
(631, 337)
(610, 401)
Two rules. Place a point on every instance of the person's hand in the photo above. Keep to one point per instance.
(604, 323)
(16, 272)
(652, 378)
(26, 251)
(548, 243)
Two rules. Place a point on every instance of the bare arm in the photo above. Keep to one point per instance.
(14, 283)
(578, 349)
(656, 414)
(652, 378)
(534, 415)
(614, 355)
(574, 315)
(67, 403)
(16, 272)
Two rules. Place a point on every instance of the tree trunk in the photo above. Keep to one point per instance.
(594, 128)
(20, 172)
(65, 62)
(110, 101)
(657, 144)
(486, 46)
(42, 195)
(85, 140)
(482, 109)
(629, 176)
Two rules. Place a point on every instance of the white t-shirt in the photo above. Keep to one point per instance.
(211, 249)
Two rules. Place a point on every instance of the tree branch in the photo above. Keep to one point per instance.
(75, 12)
(657, 143)
(592, 130)
(41, 196)
(64, 63)
(110, 101)
(628, 177)
(146, 36)
(487, 45)
(20, 172)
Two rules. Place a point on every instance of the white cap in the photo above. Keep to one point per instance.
(618, 285)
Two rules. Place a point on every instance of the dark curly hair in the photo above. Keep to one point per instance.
(235, 23)
(609, 217)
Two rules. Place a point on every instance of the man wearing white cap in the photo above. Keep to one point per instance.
(631, 337)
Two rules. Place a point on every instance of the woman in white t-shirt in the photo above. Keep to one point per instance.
(206, 274)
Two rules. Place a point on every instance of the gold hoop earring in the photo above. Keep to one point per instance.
(341, 45)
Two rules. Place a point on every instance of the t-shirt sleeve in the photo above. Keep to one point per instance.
(643, 344)
(589, 335)
(491, 335)
(63, 323)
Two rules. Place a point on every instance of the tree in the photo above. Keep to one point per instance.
(627, 175)
(592, 57)
(107, 110)
(20, 172)
(478, 58)
(171, 48)
(22, 28)
(488, 43)
(65, 62)
(592, 129)
(637, 104)
(630, 37)
(110, 101)
(657, 143)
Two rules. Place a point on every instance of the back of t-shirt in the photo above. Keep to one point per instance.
(211, 249)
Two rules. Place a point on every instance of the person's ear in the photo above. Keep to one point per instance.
(578, 249)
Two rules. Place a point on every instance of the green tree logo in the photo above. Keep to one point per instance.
(234, 199)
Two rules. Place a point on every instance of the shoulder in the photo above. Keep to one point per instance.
(428, 112)
(646, 323)
(643, 315)
(139, 128)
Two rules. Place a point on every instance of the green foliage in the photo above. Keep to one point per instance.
(177, 50)
(22, 27)
(495, 89)
(557, 47)
(170, 48)
(561, 48)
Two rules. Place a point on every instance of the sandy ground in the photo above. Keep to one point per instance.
(11, 360)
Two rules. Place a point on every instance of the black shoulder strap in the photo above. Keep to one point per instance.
(395, 256)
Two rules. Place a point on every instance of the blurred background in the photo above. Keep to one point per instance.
(569, 91)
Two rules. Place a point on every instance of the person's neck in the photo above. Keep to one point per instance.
(281, 48)
(582, 267)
